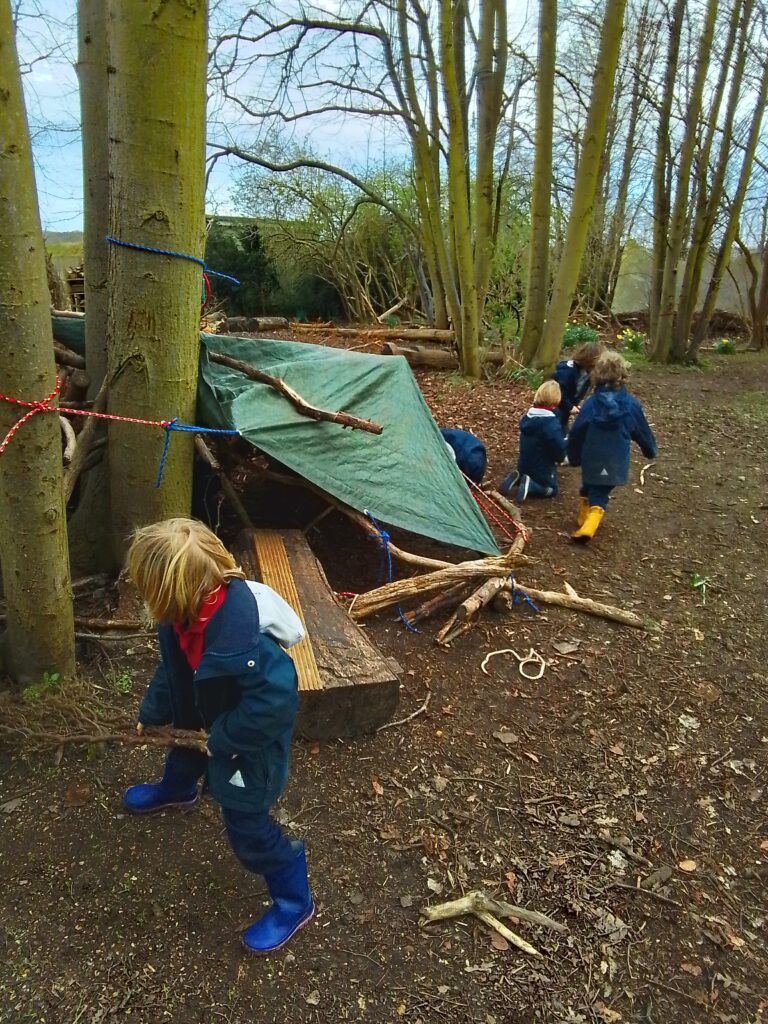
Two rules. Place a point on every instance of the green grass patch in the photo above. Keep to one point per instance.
(753, 405)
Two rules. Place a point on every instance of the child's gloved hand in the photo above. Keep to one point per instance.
(576, 410)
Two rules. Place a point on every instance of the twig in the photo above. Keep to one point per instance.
(70, 440)
(98, 624)
(227, 486)
(402, 721)
(617, 844)
(150, 737)
(640, 889)
(507, 933)
(345, 419)
(674, 991)
(84, 444)
(642, 472)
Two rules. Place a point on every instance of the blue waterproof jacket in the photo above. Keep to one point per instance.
(469, 452)
(574, 384)
(599, 437)
(542, 446)
(244, 692)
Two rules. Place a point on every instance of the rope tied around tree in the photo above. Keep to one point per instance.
(47, 405)
(171, 252)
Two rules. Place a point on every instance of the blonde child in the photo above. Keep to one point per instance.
(542, 446)
(599, 441)
(220, 672)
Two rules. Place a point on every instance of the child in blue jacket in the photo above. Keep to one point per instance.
(573, 376)
(469, 452)
(542, 446)
(600, 438)
(221, 673)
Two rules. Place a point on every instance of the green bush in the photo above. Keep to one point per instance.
(578, 334)
(523, 375)
(631, 341)
(725, 346)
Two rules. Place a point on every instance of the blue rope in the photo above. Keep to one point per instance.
(518, 595)
(183, 428)
(386, 560)
(170, 252)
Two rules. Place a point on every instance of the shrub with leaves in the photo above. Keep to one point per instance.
(578, 334)
(632, 341)
(523, 375)
(725, 346)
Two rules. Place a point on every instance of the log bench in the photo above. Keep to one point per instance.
(346, 686)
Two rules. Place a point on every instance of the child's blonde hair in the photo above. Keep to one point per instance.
(176, 564)
(611, 368)
(548, 393)
(587, 355)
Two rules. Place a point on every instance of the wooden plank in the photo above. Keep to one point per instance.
(275, 571)
(360, 688)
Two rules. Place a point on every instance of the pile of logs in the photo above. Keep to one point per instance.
(471, 586)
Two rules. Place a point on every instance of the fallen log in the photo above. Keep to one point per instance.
(436, 358)
(382, 333)
(345, 419)
(66, 357)
(402, 590)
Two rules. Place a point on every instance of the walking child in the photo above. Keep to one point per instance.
(573, 376)
(599, 441)
(542, 446)
(221, 672)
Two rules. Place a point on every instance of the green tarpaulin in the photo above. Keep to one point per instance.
(405, 476)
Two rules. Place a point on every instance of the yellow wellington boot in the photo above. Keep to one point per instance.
(588, 528)
(583, 512)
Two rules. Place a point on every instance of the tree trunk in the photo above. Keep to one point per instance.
(89, 543)
(710, 192)
(459, 212)
(723, 257)
(33, 541)
(584, 186)
(661, 163)
(662, 340)
(537, 290)
(157, 130)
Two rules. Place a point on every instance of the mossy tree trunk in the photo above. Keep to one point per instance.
(89, 540)
(157, 133)
(723, 257)
(541, 194)
(710, 181)
(585, 186)
(33, 539)
(675, 236)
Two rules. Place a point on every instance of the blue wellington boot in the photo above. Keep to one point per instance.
(510, 481)
(292, 907)
(171, 791)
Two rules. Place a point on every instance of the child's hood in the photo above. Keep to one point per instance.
(532, 421)
(610, 405)
(276, 617)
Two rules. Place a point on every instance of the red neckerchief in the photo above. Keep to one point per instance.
(192, 637)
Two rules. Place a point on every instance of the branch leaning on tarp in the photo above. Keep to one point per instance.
(345, 419)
